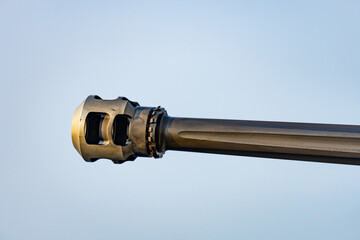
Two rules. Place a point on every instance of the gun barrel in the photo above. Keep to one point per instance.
(121, 130)
(296, 141)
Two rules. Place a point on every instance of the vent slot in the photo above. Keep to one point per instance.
(120, 130)
(93, 128)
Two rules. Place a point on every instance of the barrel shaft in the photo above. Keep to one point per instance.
(296, 141)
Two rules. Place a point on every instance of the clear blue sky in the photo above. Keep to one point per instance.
(257, 60)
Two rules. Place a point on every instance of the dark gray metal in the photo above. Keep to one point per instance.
(150, 132)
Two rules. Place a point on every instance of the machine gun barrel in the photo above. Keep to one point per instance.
(121, 130)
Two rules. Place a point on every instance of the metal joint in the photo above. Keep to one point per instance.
(152, 131)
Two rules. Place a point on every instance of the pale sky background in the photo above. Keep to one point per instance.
(255, 60)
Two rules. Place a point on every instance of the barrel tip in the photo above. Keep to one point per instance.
(75, 127)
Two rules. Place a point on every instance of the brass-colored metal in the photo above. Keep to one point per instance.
(121, 130)
(105, 148)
